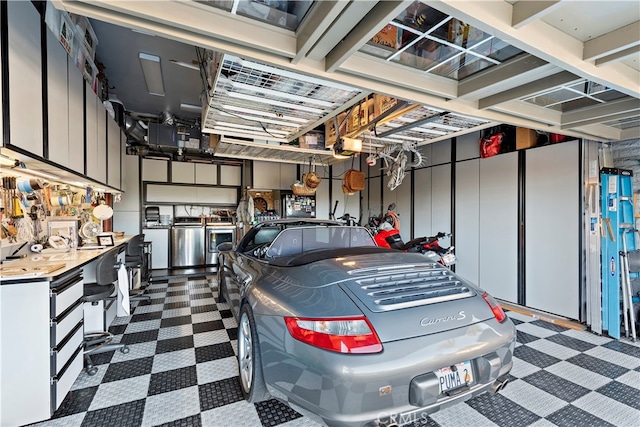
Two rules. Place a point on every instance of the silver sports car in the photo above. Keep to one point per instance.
(357, 335)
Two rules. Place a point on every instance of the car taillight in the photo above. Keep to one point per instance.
(342, 335)
(495, 307)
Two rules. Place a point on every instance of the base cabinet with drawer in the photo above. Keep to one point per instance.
(41, 346)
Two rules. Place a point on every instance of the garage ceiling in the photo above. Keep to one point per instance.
(569, 67)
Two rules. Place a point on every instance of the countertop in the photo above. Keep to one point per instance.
(73, 259)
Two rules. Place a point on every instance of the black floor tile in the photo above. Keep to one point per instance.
(214, 325)
(557, 386)
(233, 334)
(570, 342)
(516, 321)
(502, 411)
(535, 357)
(139, 337)
(214, 352)
(117, 329)
(204, 309)
(523, 337)
(146, 316)
(599, 366)
(172, 305)
(124, 415)
(128, 369)
(177, 293)
(175, 379)
(200, 295)
(622, 393)
(76, 401)
(175, 321)
(549, 325)
(156, 290)
(272, 413)
(102, 358)
(570, 416)
(174, 344)
(226, 314)
(623, 347)
(219, 393)
(192, 421)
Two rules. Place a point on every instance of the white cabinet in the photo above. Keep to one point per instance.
(206, 174)
(39, 371)
(183, 172)
(91, 130)
(113, 153)
(75, 85)
(154, 170)
(100, 173)
(58, 101)
(230, 175)
(159, 238)
(274, 176)
(96, 134)
(25, 77)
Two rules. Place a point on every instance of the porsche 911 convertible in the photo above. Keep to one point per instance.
(353, 334)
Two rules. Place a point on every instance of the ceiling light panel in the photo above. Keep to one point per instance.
(440, 124)
(245, 91)
(152, 73)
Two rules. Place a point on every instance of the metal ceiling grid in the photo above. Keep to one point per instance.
(268, 102)
(575, 96)
(421, 125)
(243, 149)
(424, 38)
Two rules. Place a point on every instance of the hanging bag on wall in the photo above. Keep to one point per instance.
(491, 145)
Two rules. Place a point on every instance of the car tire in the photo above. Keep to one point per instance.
(221, 298)
(249, 360)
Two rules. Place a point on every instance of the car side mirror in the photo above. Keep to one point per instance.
(225, 247)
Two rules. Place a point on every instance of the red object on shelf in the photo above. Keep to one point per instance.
(556, 137)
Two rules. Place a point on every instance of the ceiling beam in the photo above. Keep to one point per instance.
(353, 13)
(619, 56)
(525, 12)
(539, 39)
(631, 133)
(497, 75)
(527, 89)
(315, 25)
(613, 42)
(192, 17)
(603, 112)
(379, 16)
(596, 120)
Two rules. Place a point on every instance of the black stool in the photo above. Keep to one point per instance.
(100, 342)
(135, 259)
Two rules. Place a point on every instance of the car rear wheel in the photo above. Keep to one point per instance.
(221, 298)
(249, 362)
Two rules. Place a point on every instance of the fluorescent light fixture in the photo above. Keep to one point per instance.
(263, 120)
(285, 73)
(235, 125)
(191, 108)
(185, 64)
(264, 113)
(274, 102)
(152, 73)
(285, 95)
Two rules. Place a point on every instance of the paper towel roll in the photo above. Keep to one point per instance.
(123, 292)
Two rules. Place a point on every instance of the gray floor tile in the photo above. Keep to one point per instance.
(631, 378)
(622, 393)
(570, 342)
(629, 349)
(532, 398)
(175, 332)
(142, 326)
(599, 366)
(136, 351)
(578, 375)
(549, 325)
(608, 409)
(536, 330)
(210, 338)
(123, 391)
(176, 312)
(173, 360)
(242, 413)
(206, 317)
(461, 415)
(556, 386)
(587, 336)
(216, 370)
(551, 348)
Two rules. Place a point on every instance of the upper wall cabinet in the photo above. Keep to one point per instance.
(75, 85)
(25, 77)
(96, 136)
(183, 172)
(206, 174)
(154, 170)
(58, 101)
(114, 150)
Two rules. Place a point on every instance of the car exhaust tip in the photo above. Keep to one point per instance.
(498, 386)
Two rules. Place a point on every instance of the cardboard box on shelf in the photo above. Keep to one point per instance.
(387, 36)
(313, 140)
(383, 103)
(525, 138)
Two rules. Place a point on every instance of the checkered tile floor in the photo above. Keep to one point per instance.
(181, 371)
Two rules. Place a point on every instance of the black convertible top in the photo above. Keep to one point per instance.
(322, 254)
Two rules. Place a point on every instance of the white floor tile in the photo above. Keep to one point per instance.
(136, 351)
(176, 312)
(631, 378)
(85, 380)
(461, 415)
(532, 398)
(238, 414)
(578, 375)
(589, 337)
(210, 338)
(205, 317)
(175, 332)
(173, 360)
(536, 330)
(174, 405)
(122, 391)
(522, 369)
(613, 356)
(146, 325)
(555, 350)
(216, 370)
(521, 317)
(203, 301)
(608, 409)
(230, 322)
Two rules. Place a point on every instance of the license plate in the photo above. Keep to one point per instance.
(449, 259)
(453, 377)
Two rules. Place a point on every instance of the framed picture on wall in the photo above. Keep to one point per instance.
(105, 240)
